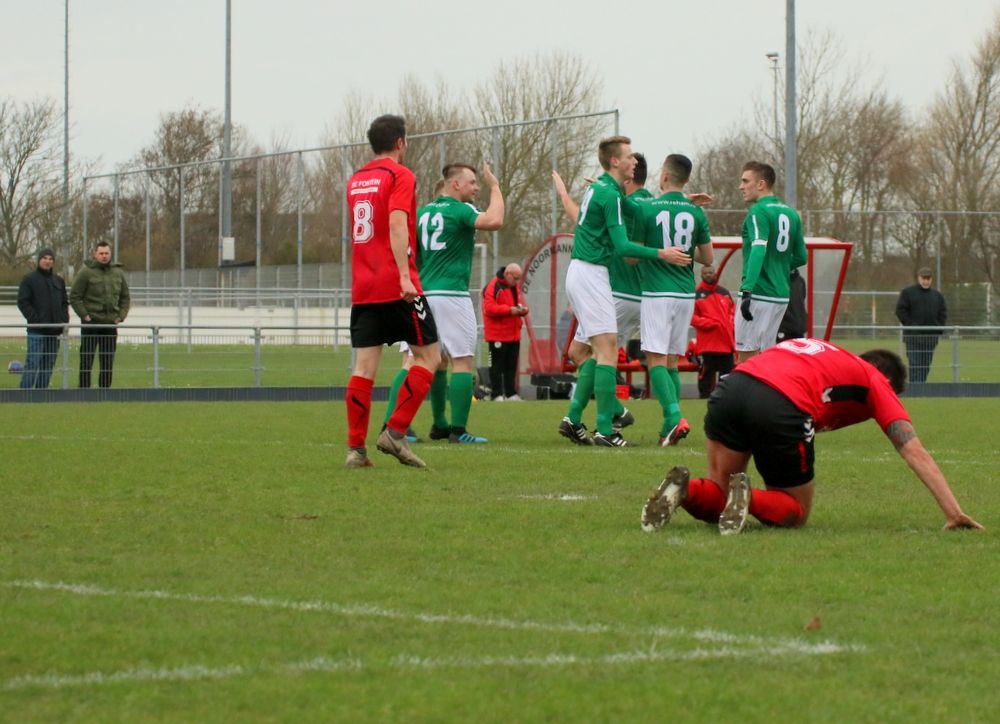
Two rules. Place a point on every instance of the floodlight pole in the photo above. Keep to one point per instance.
(791, 173)
(773, 57)
(65, 194)
(227, 139)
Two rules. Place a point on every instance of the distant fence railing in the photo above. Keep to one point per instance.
(292, 205)
(157, 356)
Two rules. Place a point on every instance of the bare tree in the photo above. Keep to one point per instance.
(522, 156)
(959, 161)
(543, 86)
(184, 138)
(854, 145)
(30, 187)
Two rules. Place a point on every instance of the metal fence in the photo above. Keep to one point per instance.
(290, 211)
(159, 356)
(962, 247)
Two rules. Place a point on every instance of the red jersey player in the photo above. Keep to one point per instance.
(770, 408)
(387, 304)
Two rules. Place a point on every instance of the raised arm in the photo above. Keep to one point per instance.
(492, 218)
(571, 208)
(910, 448)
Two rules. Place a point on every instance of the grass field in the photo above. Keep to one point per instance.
(214, 562)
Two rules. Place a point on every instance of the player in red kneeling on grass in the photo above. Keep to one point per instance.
(387, 304)
(769, 409)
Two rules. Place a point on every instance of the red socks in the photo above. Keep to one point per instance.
(775, 507)
(359, 407)
(411, 394)
(705, 500)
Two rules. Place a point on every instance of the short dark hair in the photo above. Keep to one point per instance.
(452, 170)
(678, 167)
(102, 243)
(385, 131)
(641, 169)
(764, 171)
(889, 364)
(608, 149)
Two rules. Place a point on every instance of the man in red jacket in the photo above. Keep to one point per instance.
(503, 315)
(714, 312)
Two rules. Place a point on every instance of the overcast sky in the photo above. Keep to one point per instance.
(294, 60)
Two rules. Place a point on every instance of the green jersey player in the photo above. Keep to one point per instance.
(600, 234)
(446, 238)
(668, 289)
(772, 246)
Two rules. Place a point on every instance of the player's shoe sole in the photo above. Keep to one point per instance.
(612, 440)
(677, 433)
(734, 515)
(399, 449)
(574, 433)
(439, 433)
(620, 422)
(465, 439)
(661, 505)
(358, 459)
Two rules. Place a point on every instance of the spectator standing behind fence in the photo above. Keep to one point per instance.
(921, 306)
(713, 318)
(41, 297)
(503, 315)
(99, 296)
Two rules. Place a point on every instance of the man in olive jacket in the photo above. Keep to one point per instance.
(99, 297)
(41, 297)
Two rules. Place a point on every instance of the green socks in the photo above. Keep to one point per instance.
(665, 392)
(584, 389)
(675, 378)
(460, 396)
(605, 380)
(439, 397)
(397, 382)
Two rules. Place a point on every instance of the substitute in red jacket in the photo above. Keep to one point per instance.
(503, 315)
(713, 320)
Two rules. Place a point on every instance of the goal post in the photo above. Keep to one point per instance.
(551, 323)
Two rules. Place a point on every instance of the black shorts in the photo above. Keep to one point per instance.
(748, 415)
(373, 325)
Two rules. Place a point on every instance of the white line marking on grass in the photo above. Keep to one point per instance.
(255, 442)
(570, 497)
(97, 678)
(798, 645)
(191, 672)
(194, 672)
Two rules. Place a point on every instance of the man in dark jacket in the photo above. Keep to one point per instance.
(714, 313)
(921, 306)
(503, 315)
(41, 297)
(100, 297)
(793, 324)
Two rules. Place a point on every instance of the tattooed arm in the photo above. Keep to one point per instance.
(910, 448)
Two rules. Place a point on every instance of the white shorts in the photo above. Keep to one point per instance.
(627, 314)
(589, 291)
(405, 348)
(665, 324)
(762, 332)
(456, 325)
